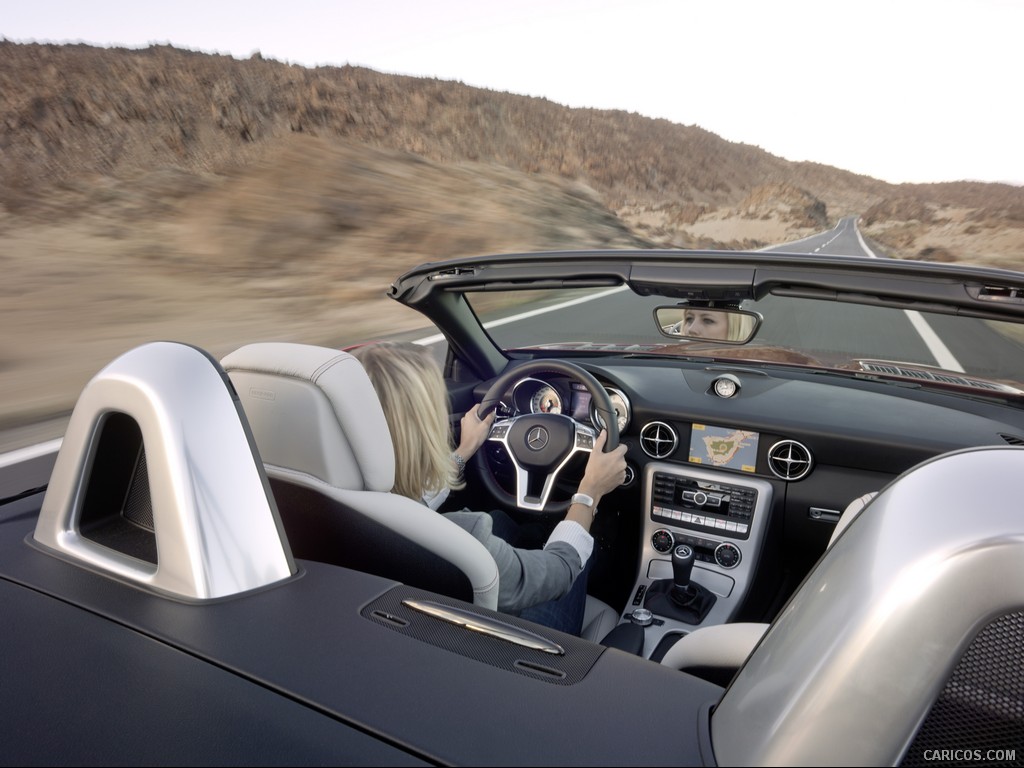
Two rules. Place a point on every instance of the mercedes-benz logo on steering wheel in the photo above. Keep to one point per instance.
(536, 438)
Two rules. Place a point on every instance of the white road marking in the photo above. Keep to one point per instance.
(931, 339)
(532, 313)
(936, 346)
(31, 452)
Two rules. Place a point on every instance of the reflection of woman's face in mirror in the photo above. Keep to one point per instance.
(705, 324)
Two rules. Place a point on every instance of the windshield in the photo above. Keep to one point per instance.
(926, 347)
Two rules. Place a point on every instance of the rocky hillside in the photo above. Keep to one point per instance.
(76, 110)
(75, 114)
(163, 193)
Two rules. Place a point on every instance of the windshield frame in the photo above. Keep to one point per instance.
(443, 290)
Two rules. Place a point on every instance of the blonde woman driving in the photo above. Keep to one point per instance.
(543, 585)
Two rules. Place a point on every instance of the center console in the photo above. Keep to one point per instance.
(722, 518)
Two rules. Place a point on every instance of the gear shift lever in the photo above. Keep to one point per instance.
(682, 566)
(679, 598)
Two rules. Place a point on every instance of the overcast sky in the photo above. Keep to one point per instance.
(902, 90)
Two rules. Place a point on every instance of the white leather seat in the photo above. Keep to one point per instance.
(599, 619)
(727, 646)
(321, 433)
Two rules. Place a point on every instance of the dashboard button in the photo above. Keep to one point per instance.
(642, 617)
(662, 541)
(727, 555)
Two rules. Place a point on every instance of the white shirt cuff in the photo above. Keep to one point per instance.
(573, 534)
(434, 499)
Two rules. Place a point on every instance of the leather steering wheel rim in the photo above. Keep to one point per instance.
(600, 398)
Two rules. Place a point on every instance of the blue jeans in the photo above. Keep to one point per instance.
(564, 614)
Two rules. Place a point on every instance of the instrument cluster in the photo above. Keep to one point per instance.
(533, 395)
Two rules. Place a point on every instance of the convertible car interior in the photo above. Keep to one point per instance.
(816, 557)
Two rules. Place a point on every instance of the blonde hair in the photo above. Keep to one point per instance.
(411, 390)
(740, 326)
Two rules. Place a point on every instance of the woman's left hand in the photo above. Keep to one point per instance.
(474, 432)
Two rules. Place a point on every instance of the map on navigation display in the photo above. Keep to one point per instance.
(723, 447)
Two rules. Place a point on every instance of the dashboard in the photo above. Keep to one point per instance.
(752, 468)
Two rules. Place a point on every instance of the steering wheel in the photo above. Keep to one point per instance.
(541, 444)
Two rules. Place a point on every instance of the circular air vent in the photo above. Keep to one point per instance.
(658, 439)
(790, 460)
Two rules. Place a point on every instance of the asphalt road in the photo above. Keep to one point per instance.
(953, 343)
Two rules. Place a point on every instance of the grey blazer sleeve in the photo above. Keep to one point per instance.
(525, 576)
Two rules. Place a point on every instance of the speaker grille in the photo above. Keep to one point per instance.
(138, 506)
(978, 718)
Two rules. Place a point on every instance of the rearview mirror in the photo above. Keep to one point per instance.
(731, 326)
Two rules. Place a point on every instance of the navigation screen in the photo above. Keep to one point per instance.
(723, 447)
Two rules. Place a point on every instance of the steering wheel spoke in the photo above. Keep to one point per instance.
(526, 483)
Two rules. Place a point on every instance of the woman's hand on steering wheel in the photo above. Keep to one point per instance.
(605, 471)
(473, 432)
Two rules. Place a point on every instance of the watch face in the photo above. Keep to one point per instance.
(726, 387)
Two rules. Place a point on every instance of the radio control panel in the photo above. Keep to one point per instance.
(722, 516)
(684, 501)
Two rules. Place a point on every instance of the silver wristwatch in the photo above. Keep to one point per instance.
(460, 464)
(582, 498)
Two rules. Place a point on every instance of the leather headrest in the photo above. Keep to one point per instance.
(313, 410)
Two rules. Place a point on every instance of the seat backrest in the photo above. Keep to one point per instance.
(325, 443)
(907, 629)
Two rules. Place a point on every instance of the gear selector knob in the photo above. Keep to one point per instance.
(682, 566)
